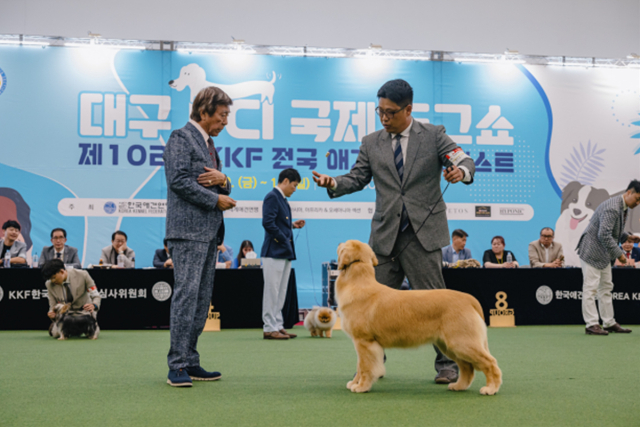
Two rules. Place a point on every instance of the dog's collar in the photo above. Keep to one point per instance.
(357, 260)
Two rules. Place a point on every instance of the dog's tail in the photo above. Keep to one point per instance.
(478, 308)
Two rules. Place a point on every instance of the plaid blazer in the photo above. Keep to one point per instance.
(599, 244)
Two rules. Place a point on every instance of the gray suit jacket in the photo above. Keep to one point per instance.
(598, 245)
(109, 256)
(70, 256)
(420, 187)
(192, 213)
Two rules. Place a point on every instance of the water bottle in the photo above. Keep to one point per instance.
(7, 259)
(509, 257)
(35, 260)
(121, 259)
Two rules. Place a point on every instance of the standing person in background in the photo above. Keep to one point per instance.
(162, 257)
(406, 160)
(118, 247)
(497, 257)
(10, 244)
(197, 194)
(598, 249)
(245, 247)
(60, 250)
(278, 250)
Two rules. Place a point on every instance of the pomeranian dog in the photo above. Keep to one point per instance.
(66, 325)
(320, 320)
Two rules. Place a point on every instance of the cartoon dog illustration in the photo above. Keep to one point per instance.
(578, 204)
(195, 78)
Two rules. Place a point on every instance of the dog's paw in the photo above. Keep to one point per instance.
(350, 384)
(61, 339)
(360, 389)
(488, 391)
(456, 387)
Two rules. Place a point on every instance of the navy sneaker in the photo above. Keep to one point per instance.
(179, 378)
(198, 374)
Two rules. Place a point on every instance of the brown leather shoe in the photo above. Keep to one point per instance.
(595, 330)
(275, 335)
(289, 334)
(618, 329)
(446, 376)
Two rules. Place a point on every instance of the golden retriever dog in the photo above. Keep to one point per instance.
(378, 317)
(320, 320)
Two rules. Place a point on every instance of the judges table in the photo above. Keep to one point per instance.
(544, 296)
(140, 299)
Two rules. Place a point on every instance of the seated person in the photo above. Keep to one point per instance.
(245, 248)
(631, 252)
(545, 253)
(9, 243)
(70, 286)
(118, 246)
(225, 255)
(60, 250)
(456, 250)
(496, 257)
(162, 258)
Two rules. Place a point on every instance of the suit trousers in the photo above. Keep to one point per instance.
(194, 266)
(422, 268)
(597, 281)
(276, 280)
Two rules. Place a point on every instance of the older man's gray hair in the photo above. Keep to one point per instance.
(207, 101)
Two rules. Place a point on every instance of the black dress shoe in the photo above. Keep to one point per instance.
(595, 330)
(618, 329)
(446, 376)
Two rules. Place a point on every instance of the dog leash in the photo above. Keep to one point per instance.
(393, 258)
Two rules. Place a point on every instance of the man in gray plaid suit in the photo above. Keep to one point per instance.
(197, 194)
(406, 160)
(598, 249)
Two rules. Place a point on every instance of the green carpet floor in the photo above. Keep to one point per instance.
(553, 376)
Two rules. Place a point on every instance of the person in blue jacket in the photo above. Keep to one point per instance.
(277, 252)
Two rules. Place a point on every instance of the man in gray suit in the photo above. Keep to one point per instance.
(405, 160)
(60, 250)
(197, 194)
(598, 249)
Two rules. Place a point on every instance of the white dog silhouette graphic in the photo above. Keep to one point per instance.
(194, 77)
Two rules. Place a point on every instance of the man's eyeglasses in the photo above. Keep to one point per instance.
(547, 236)
(389, 113)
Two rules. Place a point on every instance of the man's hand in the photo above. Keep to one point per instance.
(168, 263)
(509, 265)
(453, 174)
(324, 181)
(554, 264)
(622, 259)
(88, 307)
(225, 202)
(212, 177)
(51, 315)
(634, 238)
(299, 223)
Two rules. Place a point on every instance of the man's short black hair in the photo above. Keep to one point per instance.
(290, 174)
(634, 185)
(398, 91)
(64, 232)
(164, 241)
(122, 233)
(51, 267)
(547, 228)
(11, 223)
(459, 233)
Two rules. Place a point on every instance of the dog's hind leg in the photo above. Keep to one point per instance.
(489, 366)
(465, 375)
(370, 365)
(96, 334)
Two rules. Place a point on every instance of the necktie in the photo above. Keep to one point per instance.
(628, 255)
(397, 156)
(67, 291)
(212, 152)
(58, 255)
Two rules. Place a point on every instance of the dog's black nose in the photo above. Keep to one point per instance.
(170, 82)
(577, 211)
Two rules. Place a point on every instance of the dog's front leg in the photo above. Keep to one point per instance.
(370, 365)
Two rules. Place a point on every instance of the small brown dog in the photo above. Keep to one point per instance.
(319, 320)
(378, 317)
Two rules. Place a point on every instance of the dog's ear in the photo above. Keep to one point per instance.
(65, 308)
(344, 256)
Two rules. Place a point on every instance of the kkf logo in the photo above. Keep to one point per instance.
(3, 81)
